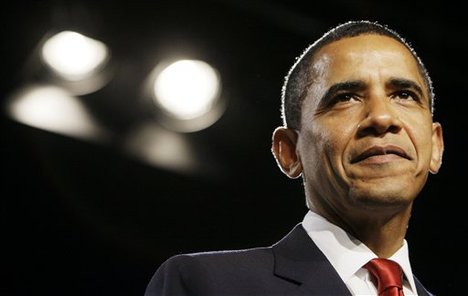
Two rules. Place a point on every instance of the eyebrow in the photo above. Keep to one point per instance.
(401, 83)
(359, 85)
(352, 85)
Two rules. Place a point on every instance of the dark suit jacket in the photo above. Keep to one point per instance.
(293, 266)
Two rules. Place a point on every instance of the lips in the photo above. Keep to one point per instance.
(381, 150)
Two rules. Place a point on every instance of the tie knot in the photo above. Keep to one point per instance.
(387, 273)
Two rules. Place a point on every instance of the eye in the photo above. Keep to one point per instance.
(342, 100)
(345, 97)
(405, 95)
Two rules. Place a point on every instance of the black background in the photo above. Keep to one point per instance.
(81, 218)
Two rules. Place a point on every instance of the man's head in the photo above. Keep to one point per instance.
(299, 77)
(358, 122)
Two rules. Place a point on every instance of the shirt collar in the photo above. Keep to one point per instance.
(338, 246)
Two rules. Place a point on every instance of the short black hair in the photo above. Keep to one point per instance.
(297, 81)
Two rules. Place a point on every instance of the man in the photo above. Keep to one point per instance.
(358, 128)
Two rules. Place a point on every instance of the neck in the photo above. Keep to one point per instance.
(381, 230)
(384, 236)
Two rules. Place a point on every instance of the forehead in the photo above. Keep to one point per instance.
(365, 56)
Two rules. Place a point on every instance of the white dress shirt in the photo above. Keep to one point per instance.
(348, 256)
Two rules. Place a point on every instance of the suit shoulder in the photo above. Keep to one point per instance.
(218, 257)
(185, 274)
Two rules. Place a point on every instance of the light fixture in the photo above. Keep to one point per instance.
(76, 62)
(54, 109)
(186, 94)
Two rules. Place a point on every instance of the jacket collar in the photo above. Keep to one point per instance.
(298, 259)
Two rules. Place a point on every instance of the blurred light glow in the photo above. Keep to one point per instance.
(187, 89)
(53, 109)
(73, 55)
(161, 148)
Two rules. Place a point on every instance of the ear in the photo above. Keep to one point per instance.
(284, 149)
(437, 148)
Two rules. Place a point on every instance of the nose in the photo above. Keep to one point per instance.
(380, 117)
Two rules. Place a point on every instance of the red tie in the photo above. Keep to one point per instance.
(388, 275)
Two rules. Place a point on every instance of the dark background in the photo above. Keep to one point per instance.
(80, 218)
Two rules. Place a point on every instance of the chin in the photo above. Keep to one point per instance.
(382, 196)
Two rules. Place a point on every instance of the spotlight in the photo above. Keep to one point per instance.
(76, 62)
(187, 94)
(73, 55)
(55, 110)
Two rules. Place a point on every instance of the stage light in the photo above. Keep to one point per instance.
(76, 62)
(187, 88)
(162, 148)
(187, 93)
(53, 109)
(73, 55)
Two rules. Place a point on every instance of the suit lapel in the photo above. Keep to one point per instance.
(298, 260)
(420, 288)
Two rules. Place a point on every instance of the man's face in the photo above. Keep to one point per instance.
(367, 136)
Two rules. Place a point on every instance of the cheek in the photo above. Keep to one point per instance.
(338, 136)
(326, 146)
(420, 135)
(323, 163)
(424, 149)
